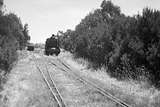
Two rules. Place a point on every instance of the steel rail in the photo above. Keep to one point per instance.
(57, 96)
(101, 90)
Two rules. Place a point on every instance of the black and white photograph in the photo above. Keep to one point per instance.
(79, 53)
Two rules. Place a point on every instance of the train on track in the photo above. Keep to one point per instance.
(30, 47)
(52, 46)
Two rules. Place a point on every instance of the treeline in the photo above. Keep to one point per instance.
(128, 46)
(13, 37)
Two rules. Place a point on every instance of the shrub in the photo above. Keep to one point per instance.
(13, 36)
(106, 37)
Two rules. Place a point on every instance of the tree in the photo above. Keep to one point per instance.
(12, 37)
(107, 37)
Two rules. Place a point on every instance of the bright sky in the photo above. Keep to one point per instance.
(49, 16)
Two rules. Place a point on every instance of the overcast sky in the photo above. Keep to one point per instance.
(49, 16)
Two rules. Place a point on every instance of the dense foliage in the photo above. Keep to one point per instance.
(128, 46)
(13, 36)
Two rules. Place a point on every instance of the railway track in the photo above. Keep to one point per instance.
(47, 77)
(82, 79)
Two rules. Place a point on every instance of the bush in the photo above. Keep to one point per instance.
(13, 36)
(106, 37)
(8, 52)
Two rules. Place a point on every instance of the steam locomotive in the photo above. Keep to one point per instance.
(52, 46)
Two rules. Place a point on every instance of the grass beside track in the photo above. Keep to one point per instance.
(137, 93)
